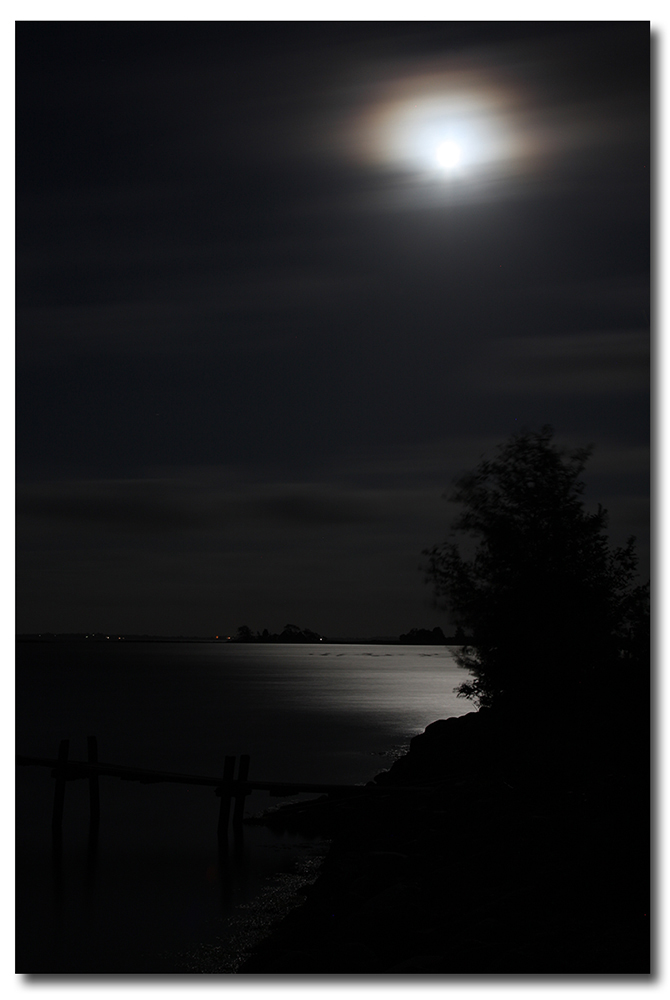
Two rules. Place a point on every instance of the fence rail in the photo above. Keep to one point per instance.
(83, 769)
(227, 786)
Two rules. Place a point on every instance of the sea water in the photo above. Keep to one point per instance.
(156, 886)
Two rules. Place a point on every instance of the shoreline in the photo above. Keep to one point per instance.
(509, 862)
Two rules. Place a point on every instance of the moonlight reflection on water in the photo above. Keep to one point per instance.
(338, 714)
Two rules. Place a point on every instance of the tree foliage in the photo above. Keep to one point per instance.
(547, 602)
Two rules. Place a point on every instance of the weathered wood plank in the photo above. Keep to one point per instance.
(74, 770)
(242, 788)
(93, 784)
(226, 789)
(59, 774)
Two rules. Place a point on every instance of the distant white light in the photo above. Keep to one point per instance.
(449, 154)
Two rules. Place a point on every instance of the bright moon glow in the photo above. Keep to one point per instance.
(448, 126)
(449, 154)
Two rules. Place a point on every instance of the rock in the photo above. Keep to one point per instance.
(389, 912)
(353, 957)
(284, 961)
(447, 748)
(497, 869)
(419, 964)
(386, 861)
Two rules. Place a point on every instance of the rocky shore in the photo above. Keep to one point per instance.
(494, 846)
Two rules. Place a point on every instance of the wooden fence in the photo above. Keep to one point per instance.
(231, 789)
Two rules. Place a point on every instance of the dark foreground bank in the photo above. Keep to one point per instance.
(523, 850)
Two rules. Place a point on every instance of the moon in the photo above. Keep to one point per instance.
(449, 154)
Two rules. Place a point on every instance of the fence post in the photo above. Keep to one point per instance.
(93, 785)
(59, 791)
(226, 793)
(242, 774)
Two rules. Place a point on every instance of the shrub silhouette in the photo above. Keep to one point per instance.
(547, 603)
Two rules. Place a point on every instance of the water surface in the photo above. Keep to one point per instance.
(329, 713)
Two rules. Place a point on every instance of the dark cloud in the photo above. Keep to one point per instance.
(149, 546)
(235, 254)
(590, 363)
(108, 505)
(309, 509)
(174, 506)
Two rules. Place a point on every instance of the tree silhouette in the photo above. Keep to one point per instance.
(548, 605)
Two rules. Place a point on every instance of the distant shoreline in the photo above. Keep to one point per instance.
(376, 640)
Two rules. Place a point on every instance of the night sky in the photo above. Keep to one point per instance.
(278, 284)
